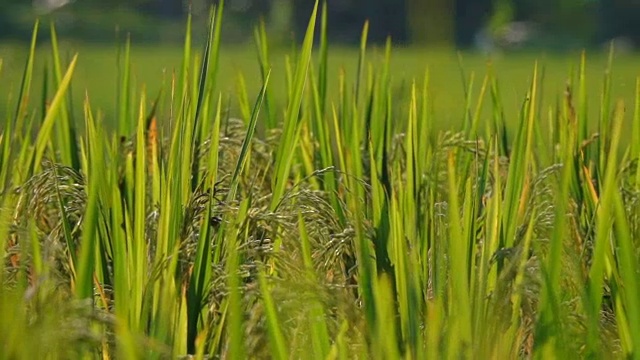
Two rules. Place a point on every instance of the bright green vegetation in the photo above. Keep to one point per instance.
(152, 66)
(319, 221)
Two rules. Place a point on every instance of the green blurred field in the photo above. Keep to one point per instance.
(351, 236)
(97, 71)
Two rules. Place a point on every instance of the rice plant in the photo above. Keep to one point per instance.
(342, 225)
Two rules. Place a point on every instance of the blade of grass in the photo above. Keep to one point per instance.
(521, 160)
(460, 313)
(602, 256)
(44, 136)
(319, 332)
(124, 93)
(628, 264)
(361, 61)
(262, 45)
(276, 338)
(246, 143)
(66, 129)
(86, 260)
(25, 87)
(289, 139)
(236, 311)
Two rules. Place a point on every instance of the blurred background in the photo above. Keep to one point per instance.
(487, 25)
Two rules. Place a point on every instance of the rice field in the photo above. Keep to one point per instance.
(247, 202)
(153, 65)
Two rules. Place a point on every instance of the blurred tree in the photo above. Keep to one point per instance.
(347, 17)
(470, 17)
(388, 18)
(564, 21)
(169, 8)
(249, 11)
(300, 12)
(619, 18)
(434, 22)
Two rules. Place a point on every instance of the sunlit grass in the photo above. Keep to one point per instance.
(325, 213)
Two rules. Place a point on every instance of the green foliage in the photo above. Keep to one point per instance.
(336, 226)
